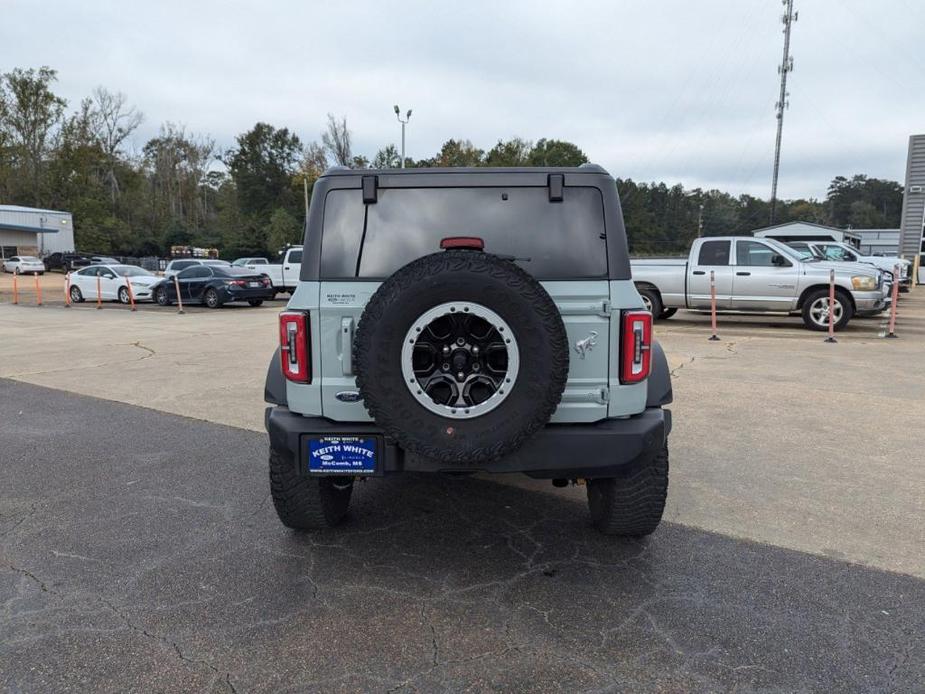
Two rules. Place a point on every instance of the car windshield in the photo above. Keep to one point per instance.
(130, 271)
(785, 250)
(29, 258)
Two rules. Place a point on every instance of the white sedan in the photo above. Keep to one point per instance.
(110, 282)
(24, 265)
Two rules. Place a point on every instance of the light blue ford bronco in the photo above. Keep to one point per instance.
(468, 320)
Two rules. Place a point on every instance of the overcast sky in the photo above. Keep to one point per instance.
(675, 91)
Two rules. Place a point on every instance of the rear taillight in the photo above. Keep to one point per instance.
(636, 347)
(293, 346)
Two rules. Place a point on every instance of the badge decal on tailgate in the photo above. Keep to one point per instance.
(352, 455)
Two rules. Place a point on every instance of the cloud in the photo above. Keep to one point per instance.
(675, 91)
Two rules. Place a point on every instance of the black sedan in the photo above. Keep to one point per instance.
(214, 285)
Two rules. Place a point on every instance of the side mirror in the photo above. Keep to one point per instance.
(779, 260)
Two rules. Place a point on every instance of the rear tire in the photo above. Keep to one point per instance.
(307, 503)
(255, 302)
(667, 313)
(631, 506)
(77, 296)
(651, 300)
(212, 299)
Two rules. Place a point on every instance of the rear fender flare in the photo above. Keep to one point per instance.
(274, 389)
(659, 382)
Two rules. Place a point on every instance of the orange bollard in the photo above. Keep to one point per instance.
(99, 293)
(38, 289)
(894, 301)
(131, 294)
(713, 304)
(67, 290)
(15, 289)
(831, 337)
(176, 284)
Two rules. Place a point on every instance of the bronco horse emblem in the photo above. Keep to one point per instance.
(585, 345)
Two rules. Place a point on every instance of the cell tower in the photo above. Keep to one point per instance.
(785, 67)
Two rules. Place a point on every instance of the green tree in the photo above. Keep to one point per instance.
(513, 152)
(262, 166)
(456, 153)
(283, 229)
(31, 112)
(387, 158)
(556, 153)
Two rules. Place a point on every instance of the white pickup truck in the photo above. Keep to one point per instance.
(283, 276)
(843, 253)
(759, 275)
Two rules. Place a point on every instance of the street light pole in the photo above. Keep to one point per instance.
(403, 124)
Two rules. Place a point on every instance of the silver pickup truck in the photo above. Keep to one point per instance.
(758, 275)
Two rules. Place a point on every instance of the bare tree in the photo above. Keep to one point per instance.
(336, 141)
(113, 123)
(179, 167)
(314, 161)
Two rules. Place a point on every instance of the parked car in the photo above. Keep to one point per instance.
(112, 285)
(758, 275)
(24, 265)
(250, 262)
(66, 262)
(214, 285)
(843, 253)
(285, 275)
(520, 345)
(176, 266)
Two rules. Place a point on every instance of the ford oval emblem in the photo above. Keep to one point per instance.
(348, 396)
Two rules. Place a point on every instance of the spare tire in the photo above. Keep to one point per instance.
(461, 356)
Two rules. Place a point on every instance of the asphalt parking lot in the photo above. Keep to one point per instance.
(141, 553)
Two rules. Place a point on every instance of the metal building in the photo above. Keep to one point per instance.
(31, 231)
(911, 241)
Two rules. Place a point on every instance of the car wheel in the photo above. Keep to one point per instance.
(77, 296)
(255, 302)
(816, 310)
(212, 299)
(461, 356)
(630, 506)
(160, 296)
(651, 300)
(667, 313)
(123, 295)
(307, 503)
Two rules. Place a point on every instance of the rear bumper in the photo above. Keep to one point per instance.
(247, 294)
(609, 448)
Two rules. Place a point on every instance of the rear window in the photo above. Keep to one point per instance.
(561, 240)
(714, 253)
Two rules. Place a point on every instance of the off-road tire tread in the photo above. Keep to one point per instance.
(305, 503)
(407, 279)
(631, 506)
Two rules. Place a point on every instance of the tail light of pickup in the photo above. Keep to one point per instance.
(294, 353)
(636, 347)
